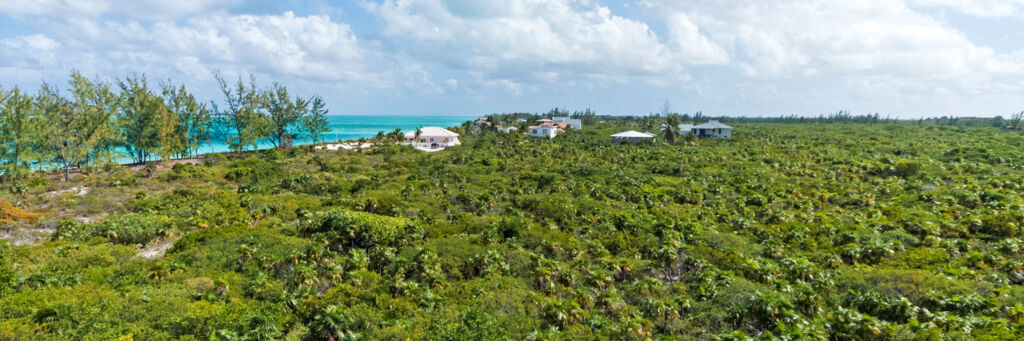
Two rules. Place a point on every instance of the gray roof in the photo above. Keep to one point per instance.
(713, 124)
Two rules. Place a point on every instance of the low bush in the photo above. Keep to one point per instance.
(131, 228)
(362, 230)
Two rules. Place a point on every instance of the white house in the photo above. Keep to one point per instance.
(574, 122)
(548, 131)
(508, 129)
(712, 129)
(432, 138)
(632, 137)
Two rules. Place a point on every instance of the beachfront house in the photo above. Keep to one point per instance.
(712, 129)
(548, 131)
(574, 122)
(632, 137)
(432, 138)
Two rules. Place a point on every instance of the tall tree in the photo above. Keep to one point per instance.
(141, 118)
(285, 114)
(98, 105)
(169, 138)
(64, 146)
(671, 128)
(315, 123)
(19, 131)
(243, 116)
(194, 118)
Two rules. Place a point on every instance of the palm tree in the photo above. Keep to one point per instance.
(671, 128)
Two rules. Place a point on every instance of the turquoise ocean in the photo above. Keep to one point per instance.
(352, 127)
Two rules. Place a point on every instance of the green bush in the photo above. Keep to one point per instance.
(131, 228)
(362, 230)
(187, 171)
(255, 175)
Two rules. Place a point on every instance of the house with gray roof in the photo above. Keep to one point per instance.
(712, 129)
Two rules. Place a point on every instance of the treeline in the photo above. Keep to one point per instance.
(97, 122)
(845, 116)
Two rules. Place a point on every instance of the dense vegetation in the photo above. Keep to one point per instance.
(791, 231)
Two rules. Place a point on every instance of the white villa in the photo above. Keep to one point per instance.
(432, 138)
(712, 129)
(548, 131)
(632, 137)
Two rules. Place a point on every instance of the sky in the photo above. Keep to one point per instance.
(898, 58)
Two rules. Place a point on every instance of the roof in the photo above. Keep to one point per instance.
(432, 131)
(562, 125)
(713, 124)
(685, 127)
(544, 120)
(632, 133)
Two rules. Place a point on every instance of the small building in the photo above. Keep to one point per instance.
(432, 138)
(632, 137)
(712, 129)
(548, 131)
(507, 130)
(574, 122)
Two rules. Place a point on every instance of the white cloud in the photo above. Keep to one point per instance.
(312, 46)
(534, 41)
(138, 9)
(771, 54)
(693, 45)
(878, 38)
(305, 48)
(28, 51)
(980, 8)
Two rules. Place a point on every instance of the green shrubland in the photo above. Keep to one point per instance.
(798, 230)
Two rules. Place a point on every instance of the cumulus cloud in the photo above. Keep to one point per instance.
(782, 52)
(38, 48)
(883, 39)
(138, 9)
(310, 47)
(533, 41)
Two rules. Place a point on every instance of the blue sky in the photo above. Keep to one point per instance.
(902, 58)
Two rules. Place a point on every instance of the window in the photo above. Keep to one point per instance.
(431, 139)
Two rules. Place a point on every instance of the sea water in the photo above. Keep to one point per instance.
(353, 127)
